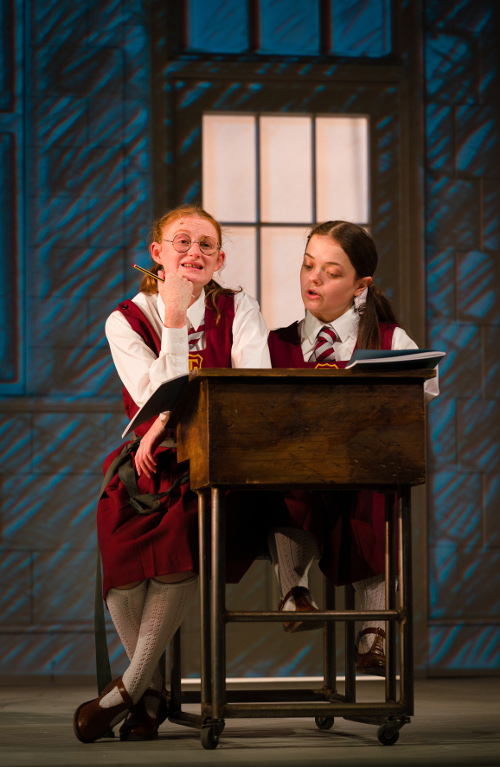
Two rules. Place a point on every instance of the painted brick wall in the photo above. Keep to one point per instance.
(463, 276)
(79, 121)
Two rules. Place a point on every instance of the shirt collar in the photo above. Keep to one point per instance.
(195, 313)
(344, 326)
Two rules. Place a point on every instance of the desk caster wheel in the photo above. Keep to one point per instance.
(209, 737)
(324, 722)
(387, 735)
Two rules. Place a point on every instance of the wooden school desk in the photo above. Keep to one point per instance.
(316, 429)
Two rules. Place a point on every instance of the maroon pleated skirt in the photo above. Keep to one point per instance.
(135, 547)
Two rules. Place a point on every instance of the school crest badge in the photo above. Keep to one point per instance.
(195, 362)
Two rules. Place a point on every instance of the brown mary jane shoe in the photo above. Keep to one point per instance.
(91, 722)
(302, 605)
(139, 725)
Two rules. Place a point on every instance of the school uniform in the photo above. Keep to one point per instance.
(135, 547)
(349, 527)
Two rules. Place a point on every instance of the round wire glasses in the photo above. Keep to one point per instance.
(182, 243)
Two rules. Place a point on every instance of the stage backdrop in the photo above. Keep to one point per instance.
(112, 111)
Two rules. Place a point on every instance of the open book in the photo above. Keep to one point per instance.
(401, 359)
(164, 398)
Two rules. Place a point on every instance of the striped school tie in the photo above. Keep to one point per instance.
(194, 336)
(323, 351)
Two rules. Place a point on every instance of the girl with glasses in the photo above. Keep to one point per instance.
(150, 561)
(344, 311)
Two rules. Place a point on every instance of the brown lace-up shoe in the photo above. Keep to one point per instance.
(303, 604)
(373, 661)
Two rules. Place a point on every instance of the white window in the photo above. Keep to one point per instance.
(267, 178)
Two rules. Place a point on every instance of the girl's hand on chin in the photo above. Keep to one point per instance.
(176, 293)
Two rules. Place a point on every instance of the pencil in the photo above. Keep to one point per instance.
(151, 274)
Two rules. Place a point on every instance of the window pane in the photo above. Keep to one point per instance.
(361, 27)
(286, 168)
(342, 168)
(218, 26)
(282, 249)
(229, 167)
(240, 268)
(289, 26)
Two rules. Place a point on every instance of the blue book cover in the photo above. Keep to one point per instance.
(401, 359)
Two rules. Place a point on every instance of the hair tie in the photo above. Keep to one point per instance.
(360, 301)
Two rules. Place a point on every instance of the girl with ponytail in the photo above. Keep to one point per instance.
(344, 311)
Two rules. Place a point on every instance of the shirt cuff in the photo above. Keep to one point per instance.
(174, 340)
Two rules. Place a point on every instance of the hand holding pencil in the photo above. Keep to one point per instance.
(177, 295)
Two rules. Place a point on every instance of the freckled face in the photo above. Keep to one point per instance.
(194, 265)
(328, 281)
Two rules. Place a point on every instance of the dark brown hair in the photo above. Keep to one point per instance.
(212, 290)
(362, 253)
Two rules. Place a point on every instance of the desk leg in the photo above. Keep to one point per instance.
(218, 627)
(390, 595)
(405, 586)
(204, 539)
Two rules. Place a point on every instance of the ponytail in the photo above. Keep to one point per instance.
(149, 284)
(212, 292)
(377, 309)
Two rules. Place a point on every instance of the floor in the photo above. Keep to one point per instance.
(456, 723)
